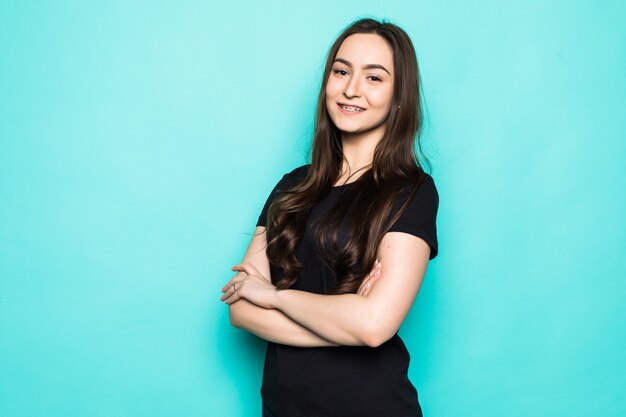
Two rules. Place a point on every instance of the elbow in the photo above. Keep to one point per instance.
(375, 336)
(377, 325)
(233, 315)
(374, 340)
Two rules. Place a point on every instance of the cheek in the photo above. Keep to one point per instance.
(382, 100)
(332, 87)
(329, 99)
(331, 95)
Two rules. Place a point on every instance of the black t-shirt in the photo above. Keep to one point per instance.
(344, 381)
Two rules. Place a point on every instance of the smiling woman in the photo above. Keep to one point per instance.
(337, 259)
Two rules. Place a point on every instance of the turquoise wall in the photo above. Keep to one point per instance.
(139, 141)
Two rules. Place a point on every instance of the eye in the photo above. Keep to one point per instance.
(338, 71)
(377, 79)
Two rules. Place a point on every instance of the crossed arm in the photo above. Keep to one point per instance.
(300, 318)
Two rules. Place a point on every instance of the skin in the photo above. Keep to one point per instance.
(272, 324)
(374, 313)
(352, 82)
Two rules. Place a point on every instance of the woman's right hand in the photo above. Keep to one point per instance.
(374, 275)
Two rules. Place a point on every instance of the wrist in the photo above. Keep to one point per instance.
(277, 300)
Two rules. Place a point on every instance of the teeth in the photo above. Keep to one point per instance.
(351, 108)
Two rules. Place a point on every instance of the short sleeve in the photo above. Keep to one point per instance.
(286, 182)
(420, 216)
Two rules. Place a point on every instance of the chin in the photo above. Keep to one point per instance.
(348, 128)
(354, 127)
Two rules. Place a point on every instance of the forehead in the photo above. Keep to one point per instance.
(366, 48)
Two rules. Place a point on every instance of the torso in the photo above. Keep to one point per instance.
(335, 381)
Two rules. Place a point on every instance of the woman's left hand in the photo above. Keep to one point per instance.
(250, 285)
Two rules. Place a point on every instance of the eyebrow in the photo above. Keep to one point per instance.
(368, 66)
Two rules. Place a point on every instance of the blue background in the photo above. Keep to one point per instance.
(139, 141)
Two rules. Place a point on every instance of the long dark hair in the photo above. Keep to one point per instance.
(370, 200)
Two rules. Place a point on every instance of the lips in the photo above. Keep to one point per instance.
(351, 109)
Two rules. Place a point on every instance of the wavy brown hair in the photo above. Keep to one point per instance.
(395, 166)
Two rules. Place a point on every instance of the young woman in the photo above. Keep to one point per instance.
(306, 283)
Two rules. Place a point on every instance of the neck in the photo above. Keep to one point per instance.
(358, 148)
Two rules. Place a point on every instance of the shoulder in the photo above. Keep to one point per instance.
(299, 172)
(427, 187)
(425, 178)
(419, 217)
(295, 176)
(425, 190)
(426, 197)
(417, 203)
(287, 181)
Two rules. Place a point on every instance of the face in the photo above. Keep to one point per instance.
(359, 90)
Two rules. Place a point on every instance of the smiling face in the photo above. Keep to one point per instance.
(359, 90)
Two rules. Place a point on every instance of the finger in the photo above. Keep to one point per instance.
(365, 283)
(367, 289)
(376, 264)
(228, 293)
(377, 274)
(363, 287)
(245, 267)
(231, 290)
(229, 284)
(241, 268)
(371, 281)
(374, 270)
(239, 274)
(233, 297)
(237, 279)
(248, 268)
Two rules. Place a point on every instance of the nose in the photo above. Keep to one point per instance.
(353, 87)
